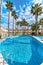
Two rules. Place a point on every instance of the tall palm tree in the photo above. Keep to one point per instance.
(9, 6)
(14, 17)
(36, 10)
(0, 16)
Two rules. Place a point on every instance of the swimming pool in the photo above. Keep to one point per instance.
(22, 50)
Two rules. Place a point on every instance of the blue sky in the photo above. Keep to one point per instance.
(23, 10)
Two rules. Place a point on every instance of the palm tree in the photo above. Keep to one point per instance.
(14, 17)
(18, 23)
(0, 16)
(13, 13)
(41, 23)
(23, 23)
(36, 10)
(9, 6)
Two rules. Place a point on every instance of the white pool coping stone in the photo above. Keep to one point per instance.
(38, 39)
(41, 64)
(8, 37)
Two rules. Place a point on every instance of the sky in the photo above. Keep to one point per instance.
(23, 10)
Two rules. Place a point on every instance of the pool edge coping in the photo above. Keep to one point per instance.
(7, 38)
(38, 39)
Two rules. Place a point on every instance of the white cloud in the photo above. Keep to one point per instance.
(19, 19)
(21, 9)
(5, 16)
(24, 6)
(41, 16)
(14, 8)
(37, 1)
(4, 4)
(17, 11)
(5, 19)
(25, 14)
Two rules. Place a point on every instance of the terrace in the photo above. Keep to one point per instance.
(21, 33)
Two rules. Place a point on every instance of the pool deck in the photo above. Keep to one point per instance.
(2, 61)
(38, 39)
(1, 40)
(41, 64)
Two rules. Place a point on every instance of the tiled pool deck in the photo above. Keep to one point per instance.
(2, 61)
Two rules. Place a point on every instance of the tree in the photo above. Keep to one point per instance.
(41, 23)
(14, 17)
(36, 10)
(33, 27)
(23, 23)
(0, 16)
(9, 6)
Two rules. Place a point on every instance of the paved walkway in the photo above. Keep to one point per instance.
(2, 61)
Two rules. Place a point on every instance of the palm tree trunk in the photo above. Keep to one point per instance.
(13, 26)
(8, 23)
(0, 17)
(36, 25)
(42, 29)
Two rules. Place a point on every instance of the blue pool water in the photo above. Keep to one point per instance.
(22, 50)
